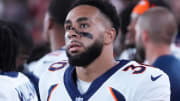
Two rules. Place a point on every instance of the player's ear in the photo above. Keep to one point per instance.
(109, 36)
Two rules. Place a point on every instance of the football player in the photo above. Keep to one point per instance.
(92, 73)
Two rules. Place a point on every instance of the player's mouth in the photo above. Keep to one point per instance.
(74, 47)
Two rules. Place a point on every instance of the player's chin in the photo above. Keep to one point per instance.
(74, 53)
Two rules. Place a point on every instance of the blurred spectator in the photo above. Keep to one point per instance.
(15, 85)
(155, 31)
(25, 42)
(130, 50)
(14, 8)
(38, 9)
(53, 32)
(25, 47)
(142, 7)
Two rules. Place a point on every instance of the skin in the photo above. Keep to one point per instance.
(89, 19)
(53, 32)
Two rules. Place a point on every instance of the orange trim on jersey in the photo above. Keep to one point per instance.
(133, 67)
(52, 92)
(112, 93)
(141, 7)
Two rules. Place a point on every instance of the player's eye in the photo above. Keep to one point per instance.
(83, 25)
(68, 27)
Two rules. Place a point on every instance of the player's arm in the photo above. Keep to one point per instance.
(155, 87)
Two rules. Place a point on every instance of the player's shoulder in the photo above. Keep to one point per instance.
(144, 78)
(139, 71)
(57, 68)
(13, 79)
(141, 68)
(142, 74)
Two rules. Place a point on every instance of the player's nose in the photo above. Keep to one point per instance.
(73, 34)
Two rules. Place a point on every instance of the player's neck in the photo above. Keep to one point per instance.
(102, 64)
(153, 52)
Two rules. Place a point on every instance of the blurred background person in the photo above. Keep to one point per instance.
(53, 32)
(15, 85)
(26, 45)
(155, 31)
(139, 9)
(129, 51)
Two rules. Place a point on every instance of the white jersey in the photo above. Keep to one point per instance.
(51, 77)
(16, 87)
(41, 66)
(127, 81)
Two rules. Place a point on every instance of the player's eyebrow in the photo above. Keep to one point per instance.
(78, 20)
(82, 19)
(67, 22)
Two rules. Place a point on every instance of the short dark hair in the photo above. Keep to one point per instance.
(105, 7)
(9, 47)
(58, 10)
(25, 38)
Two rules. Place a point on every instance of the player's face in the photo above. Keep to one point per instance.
(84, 34)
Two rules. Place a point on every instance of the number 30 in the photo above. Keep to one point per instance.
(135, 69)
